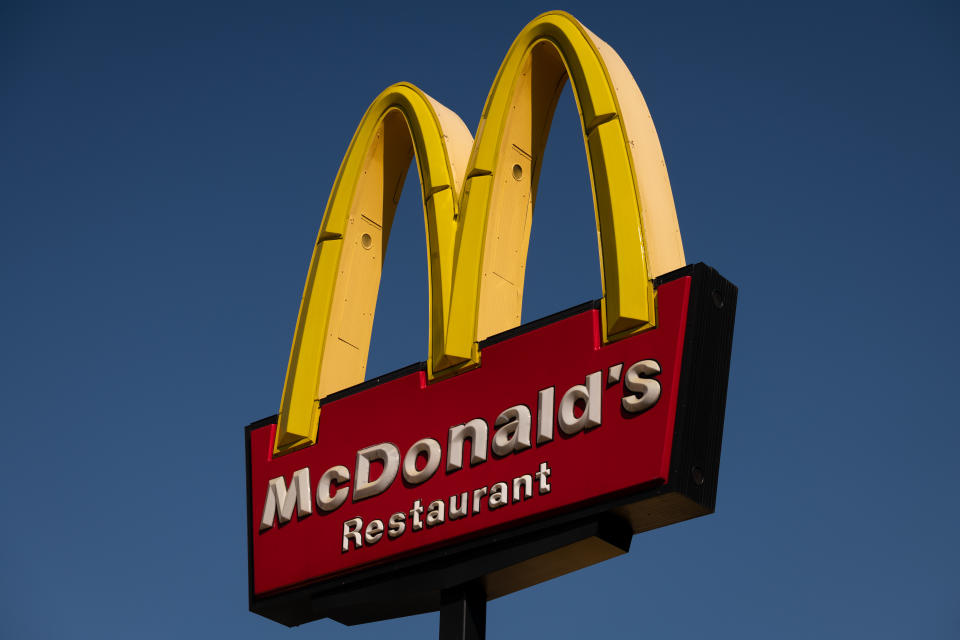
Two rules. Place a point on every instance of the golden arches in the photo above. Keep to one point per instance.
(332, 338)
(632, 197)
(478, 236)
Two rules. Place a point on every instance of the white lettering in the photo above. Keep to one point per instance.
(386, 453)
(542, 476)
(646, 391)
(589, 395)
(351, 531)
(526, 482)
(396, 525)
(476, 430)
(334, 475)
(435, 513)
(415, 513)
(498, 495)
(513, 431)
(459, 511)
(429, 447)
(280, 500)
(545, 415)
(373, 532)
(477, 496)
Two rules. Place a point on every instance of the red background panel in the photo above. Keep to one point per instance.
(625, 452)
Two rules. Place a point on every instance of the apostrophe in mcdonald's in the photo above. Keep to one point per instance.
(365, 499)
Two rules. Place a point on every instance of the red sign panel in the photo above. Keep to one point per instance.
(551, 422)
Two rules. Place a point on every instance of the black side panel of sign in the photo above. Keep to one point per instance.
(698, 430)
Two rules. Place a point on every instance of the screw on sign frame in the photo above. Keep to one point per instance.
(642, 372)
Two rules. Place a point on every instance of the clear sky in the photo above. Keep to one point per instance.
(163, 173)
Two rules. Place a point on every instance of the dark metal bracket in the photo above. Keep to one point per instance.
(463, 612)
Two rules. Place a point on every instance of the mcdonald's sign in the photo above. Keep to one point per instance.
(514, 454)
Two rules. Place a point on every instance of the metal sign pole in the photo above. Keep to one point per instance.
(463, 613)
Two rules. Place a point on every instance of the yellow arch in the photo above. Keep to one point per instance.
(632, 197)
(332, 338)
(478, 235)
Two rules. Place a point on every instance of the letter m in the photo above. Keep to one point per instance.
(280, 499)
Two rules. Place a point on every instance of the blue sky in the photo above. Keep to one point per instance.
(163, 172)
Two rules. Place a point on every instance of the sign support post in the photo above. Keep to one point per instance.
(463, 612)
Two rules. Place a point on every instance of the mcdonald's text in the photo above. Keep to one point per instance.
(579, 409)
